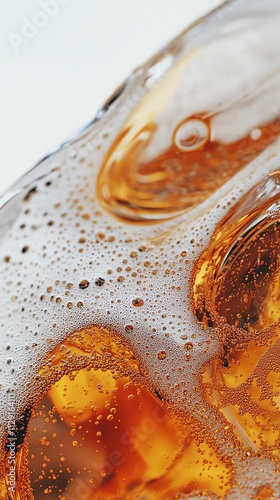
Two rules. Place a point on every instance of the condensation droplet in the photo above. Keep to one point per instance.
(161, 355)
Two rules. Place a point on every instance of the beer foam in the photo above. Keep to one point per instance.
(66, 263)
(64, 250)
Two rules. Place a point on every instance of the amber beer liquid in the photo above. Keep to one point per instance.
(140, 292)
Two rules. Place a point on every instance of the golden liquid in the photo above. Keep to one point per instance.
(175, 181)
(239, 296)
(98, 433)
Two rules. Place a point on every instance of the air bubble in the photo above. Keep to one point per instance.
(137, 302)
(191, 134)
(256, 134)
(83, 284)
(100, 281)
(188, 346)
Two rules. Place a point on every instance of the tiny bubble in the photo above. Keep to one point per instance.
(137, 302)
(83, 284)
(100, 281)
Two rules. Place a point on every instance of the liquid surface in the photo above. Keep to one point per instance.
(128, 443)
(158, 246)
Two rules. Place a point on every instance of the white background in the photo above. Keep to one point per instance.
(53, 82)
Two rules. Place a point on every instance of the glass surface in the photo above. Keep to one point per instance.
(140, 283)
